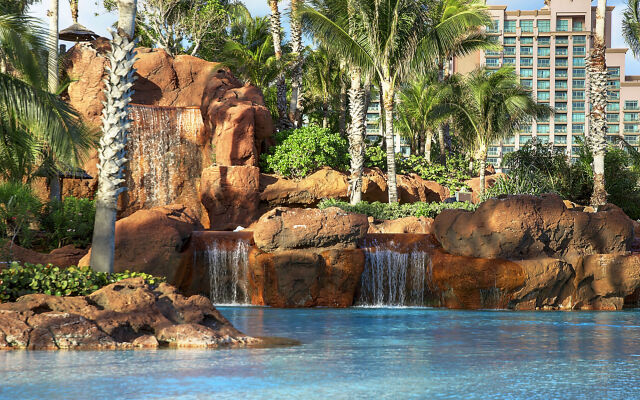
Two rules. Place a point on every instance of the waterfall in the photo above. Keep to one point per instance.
(392, 277)
(228, 272)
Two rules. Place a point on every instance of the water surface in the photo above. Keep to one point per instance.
(360, 354)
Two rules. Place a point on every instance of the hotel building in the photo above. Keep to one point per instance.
(547, 47)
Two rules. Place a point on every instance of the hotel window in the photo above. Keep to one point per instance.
(542, 85)
(631, 104)
(491, 53)
(562, 62)
(524, 139)
(526, 50)
(562, 39)
(578, 105)
(493, 62)
(579, 73)
(613, 72)
(577, 128)
(493, 151)
(543, 128)
(560, 129)
(577, 117)
(495, 28)
(509, 140)
(578, 94)
(544, 41)
(560, 139)
(579, 51)
(544, 119)
(510, 26)
(526, 25)
(611, 138)
(526, 129)
(561, 118)
(562, 51)
(613, 84)
(526, 40)
(631, 128)
(507, 150)
(562, 106)
(613, 128)
(562, 25)
(544, 73)
(526, 72)
(613, 107)
(562, 73)
(509, 61)
(561, 84)
(581, 39)
(509, 40)
(561, 96)
(631, 139)
(528, 83)
(578, 26)
(578, 61)
(613, 95)
(544, 62)
(544, 25)
(526, 62)
(613, 117)
(578, 83)
(544, 51)
(509, 51)
(630, 117)
(492, 160)
(543, 139)
(543, 96)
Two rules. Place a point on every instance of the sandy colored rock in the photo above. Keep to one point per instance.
(545, 280)
(323, 184)
(422, 225)
(14, 331)
(290, 228)
(527, 227)
(411, 188)
(230, 195)
(53, 330)
(474, 184)
(63, 257)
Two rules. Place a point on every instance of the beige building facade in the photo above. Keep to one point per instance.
(547, 47)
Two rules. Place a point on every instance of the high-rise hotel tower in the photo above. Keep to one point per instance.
(548, 47)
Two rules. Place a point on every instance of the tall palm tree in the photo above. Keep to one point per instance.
(295, 104)
(53, 46)
(115, 124)
(281, 84)
(323, 79)
(597, 72)
(489, 106)
(631, 26)
(391, 38)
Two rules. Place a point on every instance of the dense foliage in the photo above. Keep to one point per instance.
(452, 175)
(69, 222)
(19, 280)
(19, 208)
(299, 152)
(379, 210)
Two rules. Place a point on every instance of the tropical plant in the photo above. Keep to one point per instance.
(323, 81)
(69, 222)
(597, 134)
(489, 106)
(384, 211)
(19, 208)
(631, 26)
(281, 85)
(295, 105)
(115, 125)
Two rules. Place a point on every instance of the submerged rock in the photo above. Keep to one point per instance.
(125, 314)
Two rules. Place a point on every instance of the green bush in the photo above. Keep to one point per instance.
(375, 157)
(452, 175)
(19, 280)
(621, 182)
(69, 222)
(19, 209)
(299, 152)
(379, 210)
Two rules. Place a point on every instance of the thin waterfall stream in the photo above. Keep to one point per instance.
(228, 272)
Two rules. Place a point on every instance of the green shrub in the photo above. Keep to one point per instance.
(379, 210)
(375, 157)
(19, 208)
(452, 175)
(621, 182)
(19, 280)
(69, 222)
(299, 152)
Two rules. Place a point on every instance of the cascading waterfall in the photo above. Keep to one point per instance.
(228, 273)
(393, 278)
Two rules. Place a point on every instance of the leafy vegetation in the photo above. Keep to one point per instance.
(453, 175)
(379, 210)
(19, 280)
(19, 209)
(69, 222)
(299, 152)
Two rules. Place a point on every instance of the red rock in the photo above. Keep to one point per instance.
(151, 241)
(289, 228)
(402, 225)
(323, 184)
(474, 184)
(63, 257)
(543, 288)
(230, 195)
(146, 342)
(53, 330)
(14, 331)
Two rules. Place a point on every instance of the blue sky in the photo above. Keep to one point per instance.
(88, 10)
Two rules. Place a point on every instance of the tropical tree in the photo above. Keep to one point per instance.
(596, 138)
(392, 38)
(631, 26)
(295, 105)
(53, 46)
(115, 124)
(323, 81)
(489, 106)
(281, 84)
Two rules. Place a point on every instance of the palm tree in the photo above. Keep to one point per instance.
(115, 124)
(281, 84)
(489, 106)
(631, 26)
(323, 79)
(597, 72)
(53, 46)
(389, 37)
(296, 77)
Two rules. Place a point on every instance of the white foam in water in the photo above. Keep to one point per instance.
(228, 273)
(392, 278)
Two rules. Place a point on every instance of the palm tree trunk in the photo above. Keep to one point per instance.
(53, 47)
(325, 112)
(483, 167)
(342, 118)
(115, 123)
(441, 144)
(388, 97)
(281, 85)
(296, 79)
(427, 146)
(356, 137)
(73, 4)
(596, 65)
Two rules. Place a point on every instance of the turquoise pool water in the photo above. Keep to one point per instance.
(361, 354)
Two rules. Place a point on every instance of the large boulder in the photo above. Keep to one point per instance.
(125, 314)
(326, 183)
(62, 257)
(422, 225)
(290, 228)
(236, 119)
(526, 227)
(411, 188)
(474, 184)
(545, 286)
(230, 195)
(152, 241)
